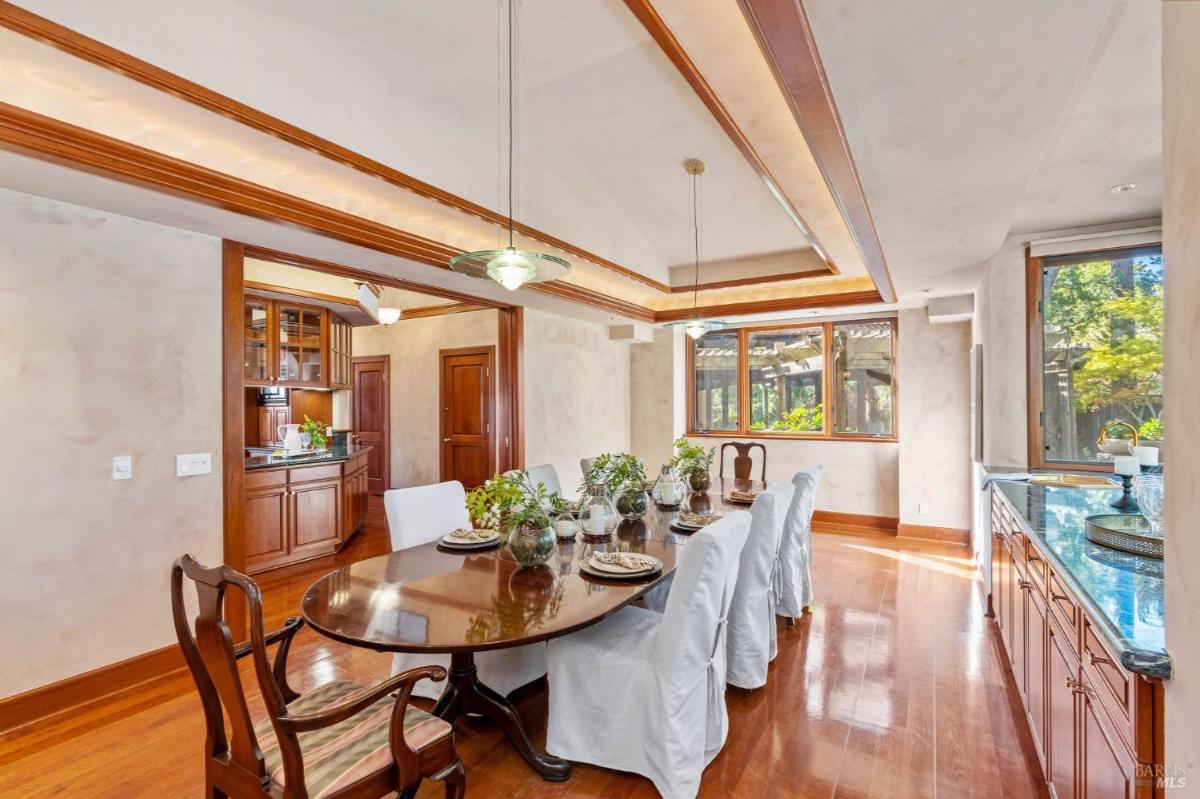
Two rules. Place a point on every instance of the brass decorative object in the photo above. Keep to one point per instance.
(1117, 446)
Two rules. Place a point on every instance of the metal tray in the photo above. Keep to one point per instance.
(1126, 532)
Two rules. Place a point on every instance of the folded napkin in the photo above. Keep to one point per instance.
(473, 535)
(625, 560)
(697, 519)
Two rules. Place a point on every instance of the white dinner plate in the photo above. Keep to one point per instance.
(459, 543)
(613, 571)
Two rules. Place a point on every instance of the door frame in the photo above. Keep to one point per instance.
(386, 461)
(492, 382)
(510, 426)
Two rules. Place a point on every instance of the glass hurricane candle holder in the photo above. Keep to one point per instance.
(598, 516)
(1148, 491)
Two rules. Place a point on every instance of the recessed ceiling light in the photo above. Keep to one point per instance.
(1121, 188)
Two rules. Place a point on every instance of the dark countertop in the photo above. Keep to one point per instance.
(334, 454)
(1123, 593)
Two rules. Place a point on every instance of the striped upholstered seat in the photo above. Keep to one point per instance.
(339, 755)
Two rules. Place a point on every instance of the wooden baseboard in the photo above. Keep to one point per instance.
(949, 535)
(828, 521)
(37, 704)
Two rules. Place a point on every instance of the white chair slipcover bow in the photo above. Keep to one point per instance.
(643, 691)
(792, 584)
(422, 514)
(752, 612)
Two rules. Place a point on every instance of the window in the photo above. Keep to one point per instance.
(824, 380)
(1096, 351)
(716, 383)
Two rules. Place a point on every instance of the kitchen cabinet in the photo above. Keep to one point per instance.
(270, 417)
(341, 358)
(297, 513)
(286, 343)
(1095, 725)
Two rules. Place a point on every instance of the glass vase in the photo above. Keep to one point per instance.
(1148, 491)
(669, 489)
(531, 544)
(633, 502)
(566, 526)
(598, 516)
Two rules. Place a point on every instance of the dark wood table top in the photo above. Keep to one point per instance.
(432, 599)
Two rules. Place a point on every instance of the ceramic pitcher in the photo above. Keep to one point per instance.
(289, 434)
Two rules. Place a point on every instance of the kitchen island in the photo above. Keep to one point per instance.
(1082, 627)
(304, 506)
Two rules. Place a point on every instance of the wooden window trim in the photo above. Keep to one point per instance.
(1033, 347)
(743, 366)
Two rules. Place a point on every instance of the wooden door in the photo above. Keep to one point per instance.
(370, 411)
(1062, 675)
(468, 402)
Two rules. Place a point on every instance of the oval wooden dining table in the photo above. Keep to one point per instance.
(437, 600)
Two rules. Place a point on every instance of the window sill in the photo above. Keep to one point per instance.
(769, 436)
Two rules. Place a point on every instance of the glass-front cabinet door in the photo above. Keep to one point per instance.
(301, 337)
(257, 347)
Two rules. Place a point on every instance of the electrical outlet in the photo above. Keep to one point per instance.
(122, 467)
(923, 508)
(196, 463)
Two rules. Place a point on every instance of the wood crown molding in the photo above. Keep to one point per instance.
(441, 310)
(36, 27)
(758, 280)
(787, 42)
(658, 29)
(18, 19)
(60, 142)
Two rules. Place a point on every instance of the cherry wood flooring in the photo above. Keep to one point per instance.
(892, 686)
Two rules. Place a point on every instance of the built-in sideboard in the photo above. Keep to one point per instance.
(1096, 725)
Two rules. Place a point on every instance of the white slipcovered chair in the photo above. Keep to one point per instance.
(645, 692)
(793, 580)
(585, 465)
(422, 514)
(545, 474)
(751, 636)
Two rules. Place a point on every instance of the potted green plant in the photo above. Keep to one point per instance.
(531, 528)
(1150, 433)
(315, 431)
(490, 504)
(623, 475)
(693, 462)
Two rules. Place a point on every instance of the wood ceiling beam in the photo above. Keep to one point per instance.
(786, 39)
(60, 142)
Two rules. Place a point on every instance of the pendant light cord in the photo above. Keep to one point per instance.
(696, 243)
(511, 113)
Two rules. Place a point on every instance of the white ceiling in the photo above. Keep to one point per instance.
(605, 119)
(971, 120)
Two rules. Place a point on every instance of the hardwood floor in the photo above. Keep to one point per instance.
(892, 686)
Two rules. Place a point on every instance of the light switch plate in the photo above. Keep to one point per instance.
(923, 508)
(195, 463)
(122, 467)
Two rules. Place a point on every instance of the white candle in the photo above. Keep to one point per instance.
(595, 523)
(1126, 465)
(667, 492)
(1147, 456)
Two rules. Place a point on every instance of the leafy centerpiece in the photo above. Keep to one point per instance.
(315, 430)
(624, 478)
(519, 510)
(693, 463)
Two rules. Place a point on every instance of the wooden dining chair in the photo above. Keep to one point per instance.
(338, 741)
(743, 464)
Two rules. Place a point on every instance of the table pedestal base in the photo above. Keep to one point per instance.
(466, 694)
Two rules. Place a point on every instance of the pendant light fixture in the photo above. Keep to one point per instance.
(695, 326)
(510, 267)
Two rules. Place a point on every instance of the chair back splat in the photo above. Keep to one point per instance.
(743, 463)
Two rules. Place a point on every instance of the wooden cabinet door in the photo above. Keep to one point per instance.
(997, 575)
(1062, 675)
(259, 341)
(1037, 630)
(316, 511)
(1016, 653)
(266, 521)
(1107, 770)
(341, 372)
(302, 344)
